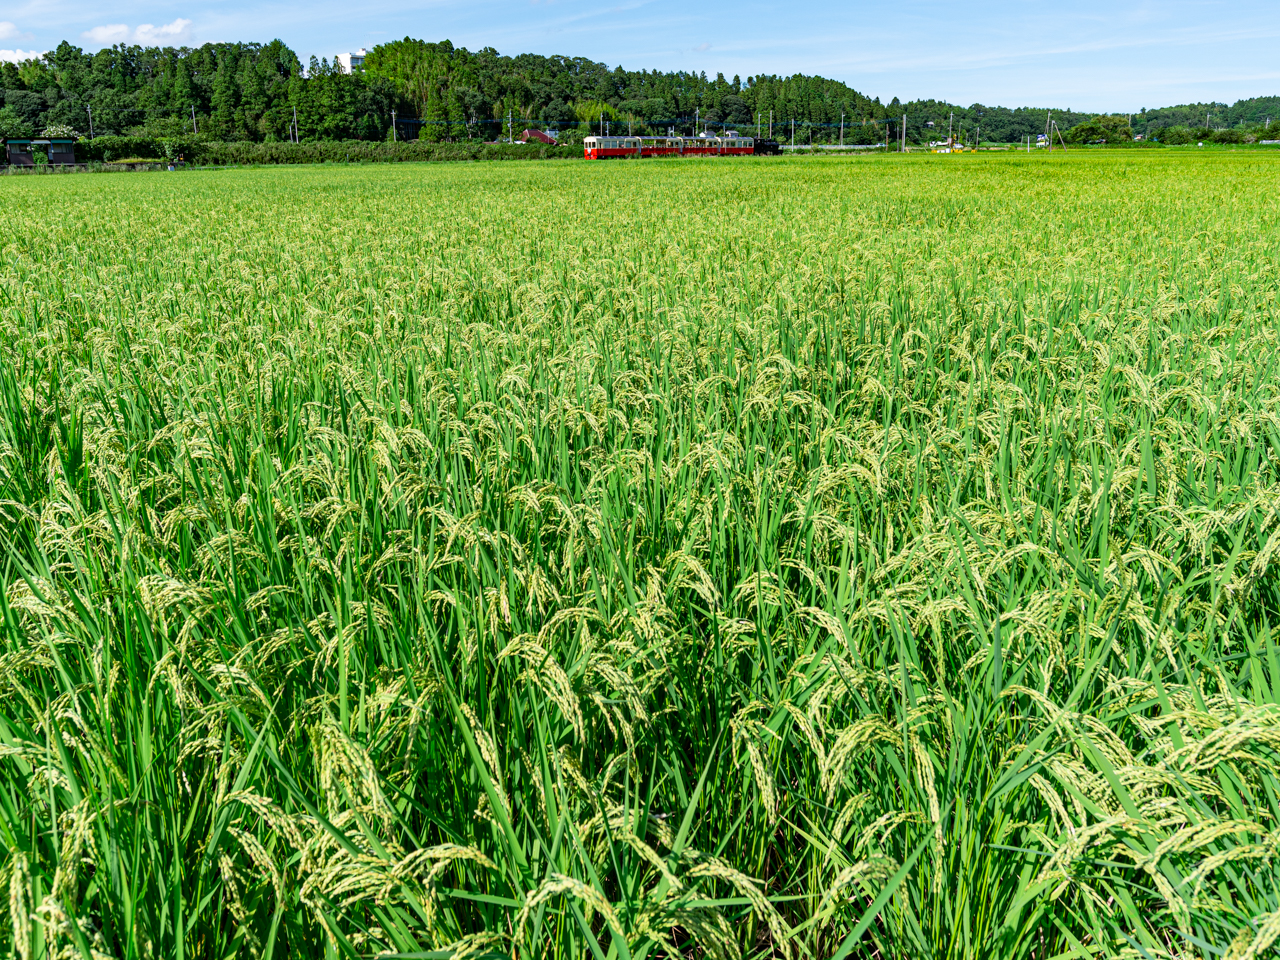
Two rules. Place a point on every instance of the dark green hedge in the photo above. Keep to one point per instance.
(332, 151)
(117, 148)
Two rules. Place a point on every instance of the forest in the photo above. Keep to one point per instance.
(412, 89)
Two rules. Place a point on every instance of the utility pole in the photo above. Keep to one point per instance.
(393, 123)
(842, 129)
(697, 119)
(90, 109)
(793, 131)
(295, 125)
(904, 133)
(757, 124)
(196, 130)
(770, 124)
(950, 123)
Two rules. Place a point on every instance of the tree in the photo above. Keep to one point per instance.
(10, 78)
(13, 124)
(437, 117)
(224, 96)
(26, 104)
(1114, 129)
(182, 94)
(735, 109)
(558, 113)
(253, 95)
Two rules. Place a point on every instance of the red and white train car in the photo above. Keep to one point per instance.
(601, 148)
(730, 145)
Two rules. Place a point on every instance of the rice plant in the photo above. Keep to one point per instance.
(793, 558)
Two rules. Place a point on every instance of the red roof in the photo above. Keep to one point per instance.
(537, 135)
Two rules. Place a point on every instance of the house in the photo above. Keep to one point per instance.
(537, 136)
(351, 61)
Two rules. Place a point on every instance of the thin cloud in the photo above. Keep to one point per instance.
(108, 34)
(8, 30)
(170, 33)
(146, 34)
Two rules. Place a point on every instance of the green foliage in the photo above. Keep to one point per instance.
(590, 112)
(13, 124)
(571, 137)
(356, 151)
(1103, 129)
(114, 148)
(1177, 136)
(107, 149)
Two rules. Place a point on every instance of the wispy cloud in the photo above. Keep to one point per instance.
(176, 32)
(146, 34)
(107, 34)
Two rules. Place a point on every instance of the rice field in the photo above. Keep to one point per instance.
(796, 558)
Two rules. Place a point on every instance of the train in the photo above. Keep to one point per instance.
(728, 145)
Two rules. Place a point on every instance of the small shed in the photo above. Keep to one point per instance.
(537, 136)
(62, 151)
(19, 152)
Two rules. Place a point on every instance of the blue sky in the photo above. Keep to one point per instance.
(1093, 55)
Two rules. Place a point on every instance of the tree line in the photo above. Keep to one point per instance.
(220, 91)
(413, 89)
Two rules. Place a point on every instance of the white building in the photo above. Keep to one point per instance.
(350, 61)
